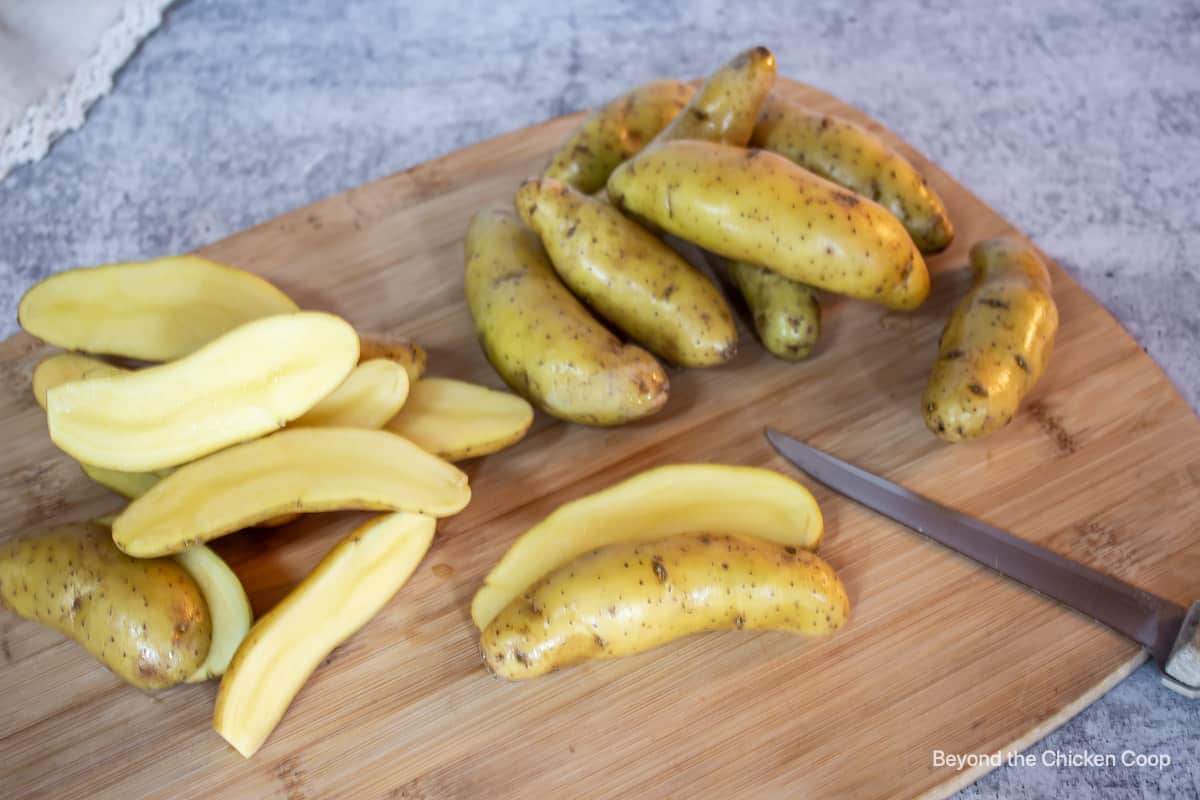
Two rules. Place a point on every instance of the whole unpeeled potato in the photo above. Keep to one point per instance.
(541, 340)
(629, 597)
(787, 314)
(995, 345)
(726, 107)
(759, 207)
(145, 619)
(615, 132)
(852, 156)
(629, 276)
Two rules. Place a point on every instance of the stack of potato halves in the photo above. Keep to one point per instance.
(258, 413)
(795, 200)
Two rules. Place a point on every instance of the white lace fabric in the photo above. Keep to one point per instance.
(57, 58)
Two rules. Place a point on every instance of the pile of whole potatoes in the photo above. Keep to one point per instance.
(794, 201)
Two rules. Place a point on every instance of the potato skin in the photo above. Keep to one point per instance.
(616, 132)
(995, 345)
(146, 620)
(629, 276)
(851, 156)
(786, 313)
(756, 206)
(541, 340)
(627, 598)
(726, 107)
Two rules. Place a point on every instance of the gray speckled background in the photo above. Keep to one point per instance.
(1077, 120)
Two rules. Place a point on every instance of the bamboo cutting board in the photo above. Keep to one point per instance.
(1103, 466)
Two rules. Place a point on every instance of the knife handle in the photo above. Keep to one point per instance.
(1182, 670)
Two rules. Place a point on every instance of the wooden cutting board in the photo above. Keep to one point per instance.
(1103, 466)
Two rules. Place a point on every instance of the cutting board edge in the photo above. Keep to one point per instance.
(1068, 712)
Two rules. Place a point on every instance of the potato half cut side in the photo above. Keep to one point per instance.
(350, 586)
(65, 368)
(373, 393)
(249, 382)
(301, 470)
(654, 505)
(228, 607)
(153, 310)
(457, 420)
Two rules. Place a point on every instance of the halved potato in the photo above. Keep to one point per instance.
(153, 310)
(65, 368)
(650, 506)
(350, 585)
(130, 485)
(299, 470)
(372, 394)
(228, 607)
(404, 352)
(457, 420)
(247, 383)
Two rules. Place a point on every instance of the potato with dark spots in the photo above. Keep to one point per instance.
(146, 620)
(726, 107)
(759, 207)
(541, 340)
(853, 157)
(995, 345)
(629, 277)
(630, 597)
(404, 352)
(616, 132)
(787, 315)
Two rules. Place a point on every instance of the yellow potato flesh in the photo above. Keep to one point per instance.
(299, 470)
(65, 368)
(611, 134)
(372, 394)
(629, 276)
(727, 105)
(249, 382)
(787, 315)
(350, 586)
(541, 340)
(127, 484)
(995, 345)
(404, 352)
(146, 620)
(155, 310)
(759, 207)
(853, 157)
(227, 604)
(627, 598)
(653, 505)
(456, 420)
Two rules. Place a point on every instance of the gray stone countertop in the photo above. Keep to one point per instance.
(1076, 120)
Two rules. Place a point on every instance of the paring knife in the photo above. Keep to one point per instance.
(1168, 631)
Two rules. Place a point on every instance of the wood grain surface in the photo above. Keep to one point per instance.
(1102, 466)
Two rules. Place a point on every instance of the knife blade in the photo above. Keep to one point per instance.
(1167, 630)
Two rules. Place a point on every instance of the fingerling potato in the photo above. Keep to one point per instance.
(541, 340)
(629, 597)
(629, 276)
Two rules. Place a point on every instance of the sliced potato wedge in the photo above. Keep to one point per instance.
(651, 506)
(408, 354)
(65, 368)
(299, 470)
(228, 607)
(247, 383)
(350, 586)
(457, 420)
(131, 485)
(372, 394)
(153, 310)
